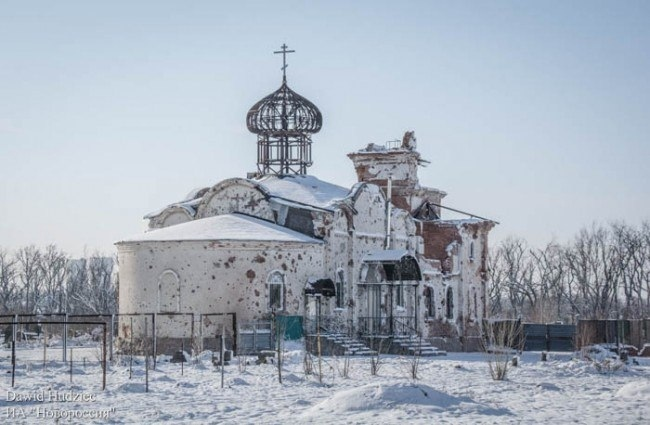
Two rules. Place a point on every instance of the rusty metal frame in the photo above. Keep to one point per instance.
(284, 122)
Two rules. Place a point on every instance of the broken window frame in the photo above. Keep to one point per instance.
(449, 303)
(429, 302)
(340, 288)
(275, 283)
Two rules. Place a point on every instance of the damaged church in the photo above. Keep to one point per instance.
(373, 260)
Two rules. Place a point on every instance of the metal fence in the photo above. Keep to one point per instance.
(549, 337)
(14, 329)
(255, 337)
(613, 331)
(386, 326)
(561, 337)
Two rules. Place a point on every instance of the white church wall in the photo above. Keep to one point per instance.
(235, 195)
(175, 217)
(168, 217)
(214, 277)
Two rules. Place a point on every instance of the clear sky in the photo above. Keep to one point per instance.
(535, 114)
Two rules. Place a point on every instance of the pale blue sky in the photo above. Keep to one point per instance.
(535, 114)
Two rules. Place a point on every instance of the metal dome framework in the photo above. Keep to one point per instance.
(284, 122)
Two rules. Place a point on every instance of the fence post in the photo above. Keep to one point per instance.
(104, 357)
(131, 344)
(201, 331)
(235, 332)
(14, 327)
(223, 350)
(44, 345)
(155, 339)
(146, 356)
(65, 336)
(192, 342)
(112, 335)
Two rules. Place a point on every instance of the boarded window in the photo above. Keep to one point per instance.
(450, 303)
(340, 289)
(169, 292)
(429, 302)
(276, 291)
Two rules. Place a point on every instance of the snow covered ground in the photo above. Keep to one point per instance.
(452, 389)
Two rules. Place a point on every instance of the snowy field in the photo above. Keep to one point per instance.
(452, 389)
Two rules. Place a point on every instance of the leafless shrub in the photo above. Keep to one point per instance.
(501, 341)
(344, 369)
(376, 359)
(308, 364)
(414, 360)
(196, 345)
(607, 366)
(242, 362)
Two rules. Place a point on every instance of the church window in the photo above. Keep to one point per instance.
(429, 302)
(450, 303)
(169, 292)
(340, 289)
(276, 291)
(471, 251)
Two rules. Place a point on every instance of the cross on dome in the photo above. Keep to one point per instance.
(284, 52)
(284, 122)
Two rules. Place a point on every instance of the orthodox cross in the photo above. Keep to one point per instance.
(284, 52)
(237, 198)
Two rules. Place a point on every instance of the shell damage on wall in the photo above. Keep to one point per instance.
(227, 241)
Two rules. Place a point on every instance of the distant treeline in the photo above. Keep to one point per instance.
(46, 280)
(603, 272)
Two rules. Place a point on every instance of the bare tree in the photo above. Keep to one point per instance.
(94, 282)
(53, 269)
(602, 270)
(9, 290)
(596, 272)
(634, 262)
(550, 269)
(510, 272)
(644, 287)
(76, 283)
(497, 282)
(29, 270)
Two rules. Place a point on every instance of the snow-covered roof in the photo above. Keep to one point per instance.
(304, 190)
(189, 203)
(387, 255)
(297, 189)
(228, 227)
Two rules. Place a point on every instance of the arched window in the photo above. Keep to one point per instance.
(429, 302)
(471, 251)
(450, 303)
(169, 292)
(275, 283)
(340, 289)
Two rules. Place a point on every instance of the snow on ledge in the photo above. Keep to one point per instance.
(228, 227)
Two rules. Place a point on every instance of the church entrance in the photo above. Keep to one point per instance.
(388, 277)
